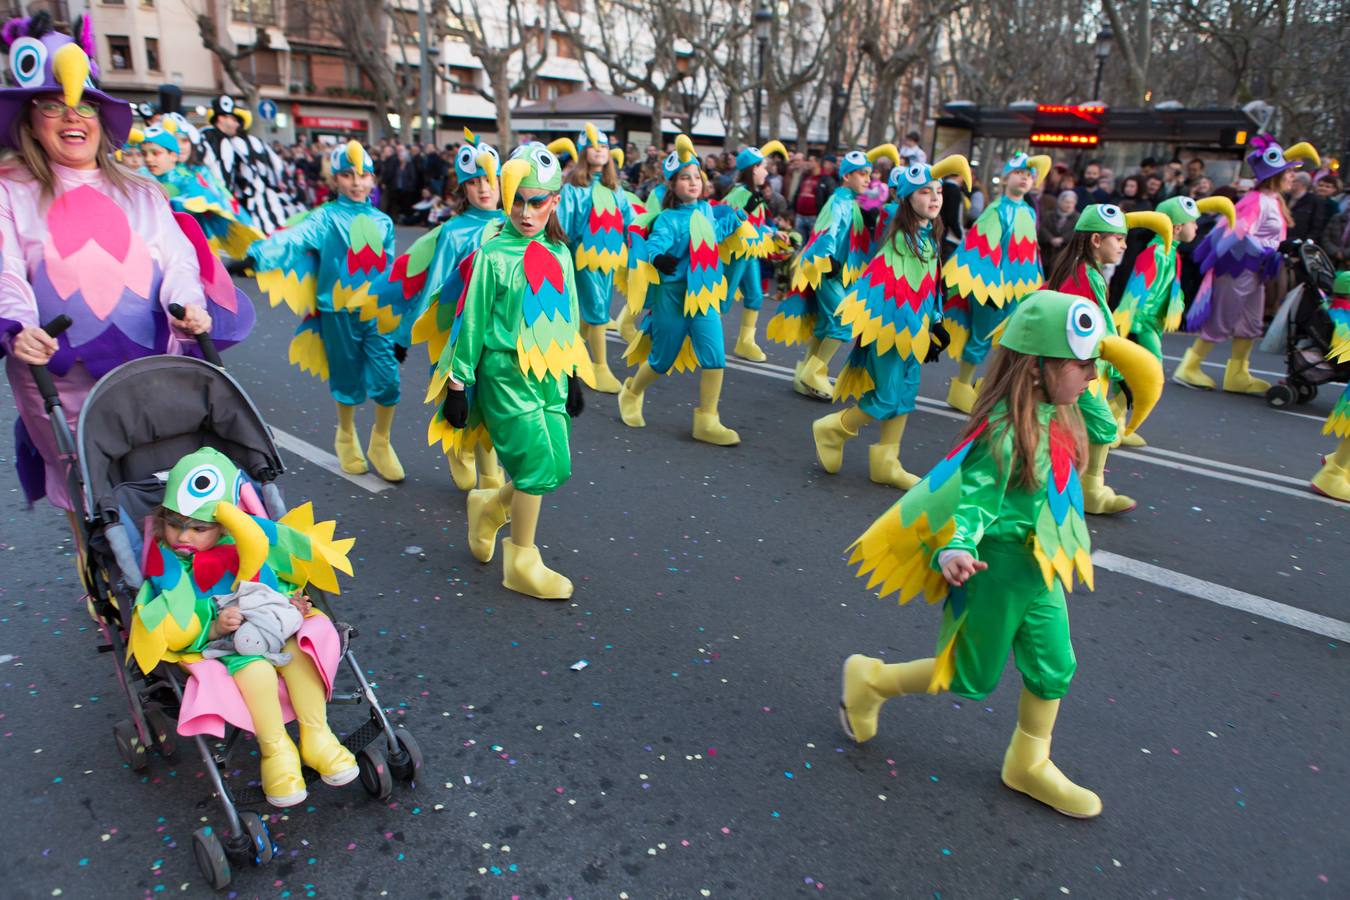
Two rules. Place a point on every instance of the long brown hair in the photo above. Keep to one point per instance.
(1078, 252)
(33, 158)
(1271, 185)
(1015, 378)
(907, 222)
(582, 171)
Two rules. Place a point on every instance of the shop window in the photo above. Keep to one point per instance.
(119, 52)
(152, 54)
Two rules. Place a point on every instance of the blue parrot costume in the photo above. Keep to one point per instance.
(681, 280)
(744, 274)
(830, 261)
(332, 268)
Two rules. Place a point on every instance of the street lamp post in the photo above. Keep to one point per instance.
(1103, 50)
(763, 27)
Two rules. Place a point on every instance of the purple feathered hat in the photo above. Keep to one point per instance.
(1267, 158)
(45, 61)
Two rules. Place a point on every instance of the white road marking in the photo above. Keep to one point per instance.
(1230, 467)
(1222, 595)
(325, 460)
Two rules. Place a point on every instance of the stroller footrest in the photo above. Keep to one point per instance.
(357, 741)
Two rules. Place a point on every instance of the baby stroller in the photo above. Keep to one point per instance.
(1302, 328)
(136, 423)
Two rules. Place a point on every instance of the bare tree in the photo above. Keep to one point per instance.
(364, 28)
(1135, 40)
(804, 45)
(502, 44)
(890, 52)
(213, 26)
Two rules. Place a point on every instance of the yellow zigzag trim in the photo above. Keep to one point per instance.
(286, 287)
(326, 553)
(306, 350)
(1063, 565)
(897, 557)
(1338, 423)
(791, 330)
(607, 261)
(870, 329)
(426, 331)
(959, 334)
(1019, 289)
(556, 360)
(808, 274)
(640, 350)
(853, 382)
(642, 276)
(706, 299)
(738, 243)
(958, 275)
(361, 301)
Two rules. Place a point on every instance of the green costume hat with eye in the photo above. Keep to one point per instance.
(206, 486)
(1183, 209)
(531, 165)
(1055, 325)
(1107, 218)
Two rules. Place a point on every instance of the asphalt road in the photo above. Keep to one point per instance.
(699, 753)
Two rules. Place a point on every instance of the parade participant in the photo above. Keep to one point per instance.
(830, 261)
(1333, 479)
(332, 269)
(744, 275)
(198, 198)
(519, 348)
(82, 237)
(996, 533)
(201, 547)
(132, 156)
(248, 168)
(432, 270)
(895, 313)
(683, 328)
(997, 265)
(1099, 240)
(1236, 261)
(594, 213)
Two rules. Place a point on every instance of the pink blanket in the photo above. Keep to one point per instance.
(211, 699)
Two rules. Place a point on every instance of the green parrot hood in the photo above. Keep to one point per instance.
(200, 481)
(1341, 285)
(1055, 325)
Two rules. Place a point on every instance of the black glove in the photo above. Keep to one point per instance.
(754, 203)
(400, 353)
(575, 401)
(938, 332)
(869, 217)
(665, 263)
(456, 408)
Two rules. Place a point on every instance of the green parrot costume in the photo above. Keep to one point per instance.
(1033, 540)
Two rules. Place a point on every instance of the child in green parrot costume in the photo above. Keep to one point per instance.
(997, 264)
(203, 545)
(1333, 479)
(1099, 240)
(996, 533)
(332, 268)
(518, 347)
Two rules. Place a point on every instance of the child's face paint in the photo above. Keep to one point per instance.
(187, 536)
(927, 201)
(158, 160)
(355, 186)
(1068, 378)
(531, 210)
(858, 180)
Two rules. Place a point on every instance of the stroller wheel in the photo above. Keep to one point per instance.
(374, 768)
(411, 765)
(210, 856)
(261, 847)
(129, 745)
(1281, 395)
(1306, 392)
(162, 729)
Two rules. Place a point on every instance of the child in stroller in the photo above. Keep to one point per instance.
(202, 546)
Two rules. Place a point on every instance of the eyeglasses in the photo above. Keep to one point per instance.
(55, 109)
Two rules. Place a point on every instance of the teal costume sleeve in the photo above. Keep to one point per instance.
(283, 249)
(573, 207)
(725, 219)
(473, 320)
(666, 232)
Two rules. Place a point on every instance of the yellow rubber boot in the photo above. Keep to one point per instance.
(1188, 372)
(490, 474)
(1237, 376)
(523, 569)
(746, 348)
(382, 455)
(961, 394)
(347, 445)
(488, 510)
(463, 470)
(883, 457)
(282, 781)
(708, 426)
(832, 432)
(320, 749)
(632, 393)
(1120, 408)
(627, 323)
(797, 385)
(1333, 479)
(605, 382)
(1098, 498)
(868, 683)
(1027, 766)
(815, 376)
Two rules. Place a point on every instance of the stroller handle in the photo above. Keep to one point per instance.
(208, 346)
(46, 387)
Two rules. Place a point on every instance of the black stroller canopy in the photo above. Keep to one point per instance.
(145, 415)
